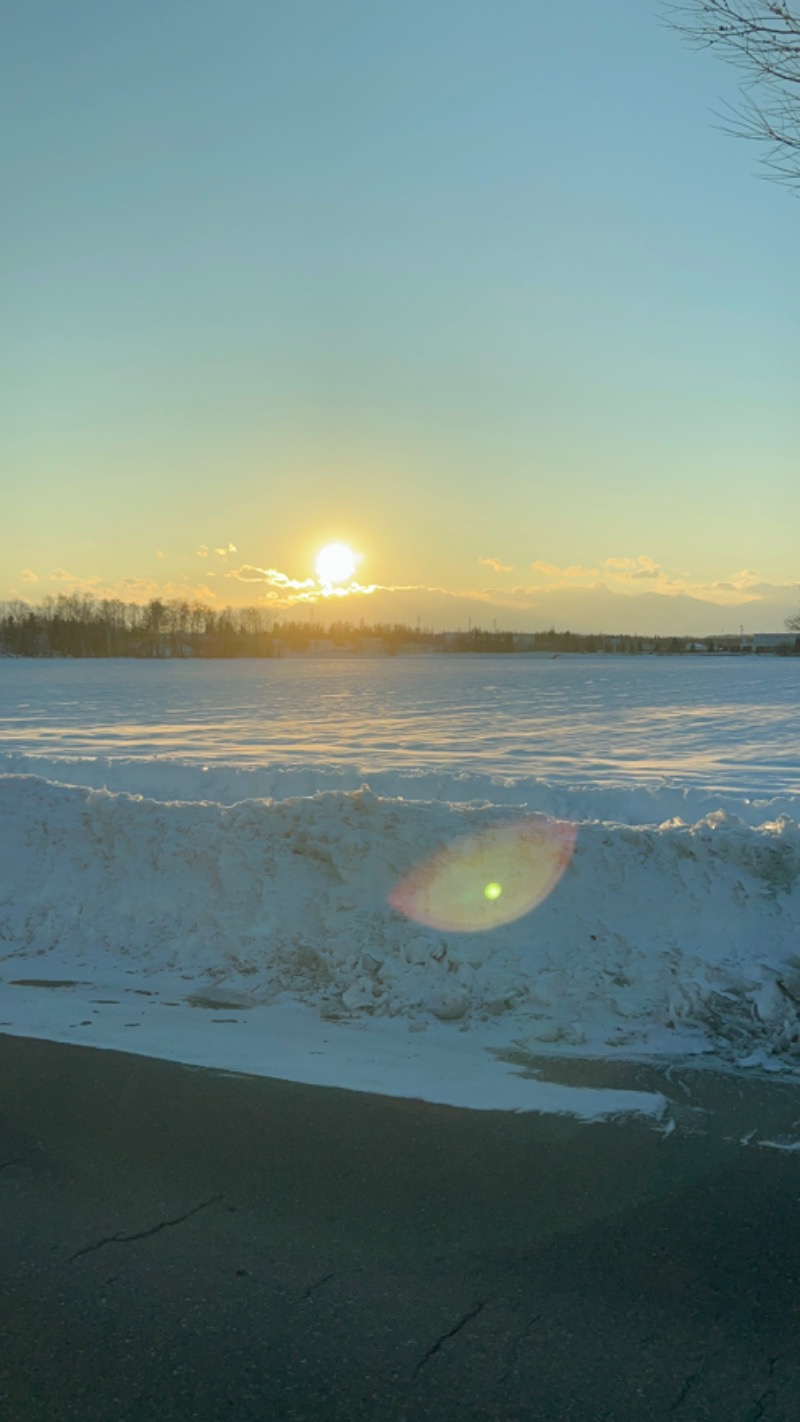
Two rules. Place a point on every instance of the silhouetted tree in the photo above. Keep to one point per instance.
(762, 38)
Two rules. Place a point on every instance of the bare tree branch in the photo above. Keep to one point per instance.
(762, 38)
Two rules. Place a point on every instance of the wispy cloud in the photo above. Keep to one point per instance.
(634, 575)
(283, 591)
(549, 575)
(160, 553)
(223, 552)
(202, 551)
(619, 592)
(187, 591)
(28, 576)
(745, 581)
(632, 569)
(496, 565)
(272, 577)
(644, 574)
(60, 575)
(134, 589)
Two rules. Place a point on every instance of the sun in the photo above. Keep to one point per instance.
(335, 564)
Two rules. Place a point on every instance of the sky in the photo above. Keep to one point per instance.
(478, 289)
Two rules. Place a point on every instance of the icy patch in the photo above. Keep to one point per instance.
(289, 1042)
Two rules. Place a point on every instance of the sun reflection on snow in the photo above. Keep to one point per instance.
(487, 879)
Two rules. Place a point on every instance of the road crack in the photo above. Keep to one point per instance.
(312, 1288)
(518, 1345)
(121, 1238)
(687, 1384)
(462, 1323)
(769, 1395)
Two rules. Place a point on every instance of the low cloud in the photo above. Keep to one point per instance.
(202, 551)
(160, 553)
(223, 552)
(549, 575)
(620, 593)
(612, 571)
(632, 569)
(131, 588)
(60, 575)
(630, 576)
(745, 581)
(186, 591)
(283, 591)
(272, 577)
(134, 589)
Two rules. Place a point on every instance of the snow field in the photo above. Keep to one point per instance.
(200, 861)
(661, 938)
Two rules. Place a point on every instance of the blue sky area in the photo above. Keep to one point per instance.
(460, 285)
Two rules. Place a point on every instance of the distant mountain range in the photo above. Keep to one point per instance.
(596, 609)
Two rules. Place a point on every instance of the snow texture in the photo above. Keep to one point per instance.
(165, 902)
(657, 938)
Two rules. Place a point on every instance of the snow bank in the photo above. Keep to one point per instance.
(170, 778)
(662, 936)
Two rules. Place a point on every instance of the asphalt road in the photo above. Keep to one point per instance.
(184, 1244)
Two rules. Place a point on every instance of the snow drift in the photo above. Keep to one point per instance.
(662, 936)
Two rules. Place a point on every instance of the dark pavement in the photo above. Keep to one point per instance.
(185, 1244)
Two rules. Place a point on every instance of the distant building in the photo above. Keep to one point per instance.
(770, 641)
(759, 643)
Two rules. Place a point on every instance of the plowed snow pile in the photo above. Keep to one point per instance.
(673, 929)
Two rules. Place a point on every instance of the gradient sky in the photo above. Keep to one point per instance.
(477, 280)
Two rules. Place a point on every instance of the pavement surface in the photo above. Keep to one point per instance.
(179, 1243)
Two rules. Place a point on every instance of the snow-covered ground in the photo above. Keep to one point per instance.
(202, 862)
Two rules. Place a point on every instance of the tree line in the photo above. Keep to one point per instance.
(78, 625)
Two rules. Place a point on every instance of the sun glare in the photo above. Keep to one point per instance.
(335, 564)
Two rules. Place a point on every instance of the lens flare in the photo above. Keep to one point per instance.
(488, 879)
